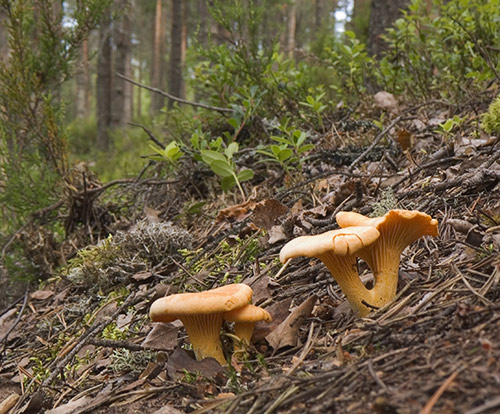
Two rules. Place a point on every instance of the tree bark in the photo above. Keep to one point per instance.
(103, 85)
(177, 51)
(82, 104)
(290, 28)
(157, 101)
(121, 93)
(383, 14)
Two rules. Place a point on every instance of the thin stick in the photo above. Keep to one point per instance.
(172, 97)
(433, 400)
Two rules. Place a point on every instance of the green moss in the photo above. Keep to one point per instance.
(490, 121)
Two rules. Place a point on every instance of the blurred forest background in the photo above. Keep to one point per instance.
(262, 80)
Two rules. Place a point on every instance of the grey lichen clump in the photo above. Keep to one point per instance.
(116, 258)
(154, 242)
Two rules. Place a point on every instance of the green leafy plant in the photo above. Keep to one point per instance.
(222, 164)
(171, 153)
(289, 148)
(314, 102)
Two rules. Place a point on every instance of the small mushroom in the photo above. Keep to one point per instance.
(201, 313)
(244, 319)
(398, 229)
(337, 250)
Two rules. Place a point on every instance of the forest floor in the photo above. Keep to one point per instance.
(84, 344)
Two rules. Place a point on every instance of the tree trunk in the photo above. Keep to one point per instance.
(82, 104)
(156, 68)
(290, 28)
(383, 14)
(103, 85)
(121, 94)
(177, 51)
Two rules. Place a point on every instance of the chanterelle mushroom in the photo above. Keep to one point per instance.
(244, 319)
(201, 313)
(398, 229)
(337, 250)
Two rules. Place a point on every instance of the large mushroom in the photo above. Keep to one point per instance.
(398, 229)
(337, 250)
(201, 313)
(244, 319)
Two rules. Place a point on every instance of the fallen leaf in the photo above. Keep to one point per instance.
(287, 333)
(142, 276)
(260, 287)
(279, 312)
(386, 100)
(71, 406)
(6, 321)
(180, 362)
(267, 211)
(41, 294)
(163, 336)
(167, 409)
(237, 212)
(276, 234)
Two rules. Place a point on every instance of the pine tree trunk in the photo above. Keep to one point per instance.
(157, 100)
(383, 14)
(82, 103)
(121, 98)
(291, 26)
(103, 85)
(177, 51)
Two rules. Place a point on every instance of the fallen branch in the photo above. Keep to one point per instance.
(174, 98)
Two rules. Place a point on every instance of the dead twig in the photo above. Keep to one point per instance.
(440, 391)
(174, 98)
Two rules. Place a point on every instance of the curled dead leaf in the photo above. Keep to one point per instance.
(287, 333)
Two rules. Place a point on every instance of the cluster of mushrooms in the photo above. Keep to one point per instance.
(202, 314)
(378, 241)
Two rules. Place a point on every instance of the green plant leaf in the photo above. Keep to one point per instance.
(231, 149)
(222, 168)
(245, 175)
(209, 156)
(234, 123)
(284, 154)
(227, 183)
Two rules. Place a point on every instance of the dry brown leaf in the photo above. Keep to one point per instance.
(142, 275)
(386, 100)
(6, 321)
(41, 294)
(267, 211)
(71, 407)
(237, 212)
(287, 333)
(180, 362)
(276, 234)
(260, 287)
(163, 336)
(167, 409)
(279, 312)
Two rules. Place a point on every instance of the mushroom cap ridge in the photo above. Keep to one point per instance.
(248, 313)
(350, 218)
(342, 242)
(222, 299)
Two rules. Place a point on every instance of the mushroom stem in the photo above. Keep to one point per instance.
(204, 334)
(244, 331)
(344, 271)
